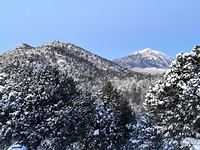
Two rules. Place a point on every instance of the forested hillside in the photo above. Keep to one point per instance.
(60, 96)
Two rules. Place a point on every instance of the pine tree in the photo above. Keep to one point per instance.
(173, 104)
(42, 103)
(111, 117)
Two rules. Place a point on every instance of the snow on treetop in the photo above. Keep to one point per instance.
(194, 144)
(178, 93)
(23, 46)
(51, 43)
(56, 44)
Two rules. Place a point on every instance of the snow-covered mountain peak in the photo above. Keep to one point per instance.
(145, 59)
(147, 52)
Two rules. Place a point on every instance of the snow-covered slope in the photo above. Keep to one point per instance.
(60, 96)
(150, 70)
(87, 69)
(58, 49)
(146, 60)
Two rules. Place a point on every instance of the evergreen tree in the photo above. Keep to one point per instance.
(41, 107)
(111, 117)
(173, 104)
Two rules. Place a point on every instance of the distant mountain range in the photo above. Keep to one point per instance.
(146, 61)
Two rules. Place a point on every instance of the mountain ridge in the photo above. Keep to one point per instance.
(86, 68)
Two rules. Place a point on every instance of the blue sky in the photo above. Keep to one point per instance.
(109, 28)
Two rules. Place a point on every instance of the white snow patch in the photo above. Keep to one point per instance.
(17, 147)
(198, 92)
(194, 144)
(2, 89)
(3, 104)
(4, 75)
(96, 132)
(135, 141)
(150, 70)
(13, 94)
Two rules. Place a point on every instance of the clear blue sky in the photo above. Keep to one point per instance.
(109, 28)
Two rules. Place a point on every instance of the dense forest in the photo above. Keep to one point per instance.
(60, 96)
